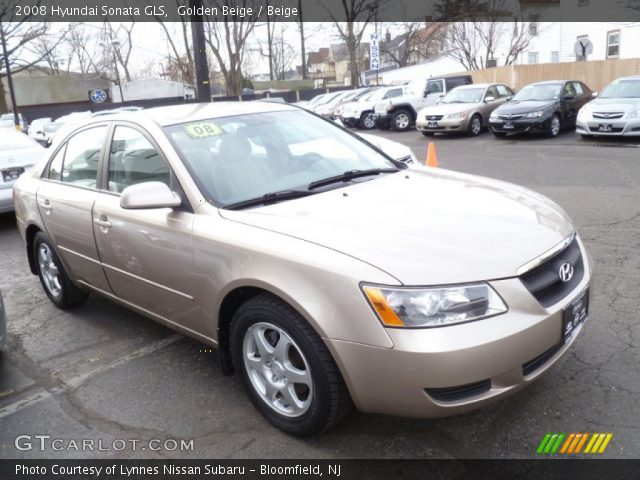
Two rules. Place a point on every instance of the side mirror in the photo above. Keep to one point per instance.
(149, 195)
(426, 93)
(509, 98)
(489, 99)
(594, 94)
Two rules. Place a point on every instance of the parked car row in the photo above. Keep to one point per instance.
(455, 105)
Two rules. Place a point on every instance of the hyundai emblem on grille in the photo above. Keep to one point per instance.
(566, 272)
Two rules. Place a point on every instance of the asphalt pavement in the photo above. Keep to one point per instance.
(104, 374)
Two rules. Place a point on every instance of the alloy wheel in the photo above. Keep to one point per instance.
(277, 369)
(368, 122)
(402, 121)
(49, 270)
(555, 126)
(476, 126)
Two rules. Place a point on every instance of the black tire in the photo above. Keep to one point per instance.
(473, 129)
(401, 120)
(330, 401)
(362, 123)
(427, 134)
(553, 132)
(500, 134)
(69, 294)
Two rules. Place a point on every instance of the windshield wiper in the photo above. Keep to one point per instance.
(269, 198)
(349, 175)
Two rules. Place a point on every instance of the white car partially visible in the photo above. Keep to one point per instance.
(395, 150)
(18, 153)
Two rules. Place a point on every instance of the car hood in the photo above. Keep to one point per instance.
(515, 106)
(446, 108)
(423, 226)
(614, 104)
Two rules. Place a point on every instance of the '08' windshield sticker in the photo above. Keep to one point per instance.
(203, 130)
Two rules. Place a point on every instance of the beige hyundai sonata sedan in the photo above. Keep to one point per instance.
(327, 274)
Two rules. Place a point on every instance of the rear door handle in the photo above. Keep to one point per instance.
(102, 222)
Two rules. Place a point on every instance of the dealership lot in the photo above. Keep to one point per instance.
(101, 372)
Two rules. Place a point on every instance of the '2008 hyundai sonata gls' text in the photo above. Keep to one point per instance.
(327, 274)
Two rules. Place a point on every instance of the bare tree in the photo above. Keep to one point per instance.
(227, 40)
(180, 63)
(21, 39)
(351, 21)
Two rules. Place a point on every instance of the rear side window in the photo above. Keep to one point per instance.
(578, 88)
(133, 159)
(55, 167)
(393, 93)
(456, 82)
(82, 157)
(504, 91)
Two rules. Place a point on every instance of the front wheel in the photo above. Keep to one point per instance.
(401, 120)
(55, 281)
(286, 369)
(554, 126)
(367, 122)
(475, 126)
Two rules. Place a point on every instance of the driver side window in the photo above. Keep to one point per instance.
(133, 159)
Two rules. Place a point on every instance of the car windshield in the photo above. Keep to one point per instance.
(541, 91)
(238, 158)
(464, 95)
(15, 141)
(622, 89)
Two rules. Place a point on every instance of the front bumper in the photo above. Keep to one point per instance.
(610, 128)
(444, 125)
(529, 125)
(6, 199)
(349, 121)
(474, 364)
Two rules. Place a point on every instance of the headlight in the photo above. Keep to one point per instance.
(457, 115)
(633, 114)
(537, 114)
(434, 307)
(493, 116)
(583, 113)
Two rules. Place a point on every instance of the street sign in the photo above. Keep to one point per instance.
(374, 52)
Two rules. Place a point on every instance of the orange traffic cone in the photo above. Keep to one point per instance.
(432, 158)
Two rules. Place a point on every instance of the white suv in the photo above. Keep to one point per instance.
(360, 113)
(400, 113)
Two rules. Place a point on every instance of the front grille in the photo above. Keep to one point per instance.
(544, 281)
(434, 117)
(535, 363)
(510, 117)
(451, 394)
(608, 115)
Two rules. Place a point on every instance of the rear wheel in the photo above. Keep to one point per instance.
(401, 120)
(367, 122)
(286, 369)
(55, 281)
(475, 126)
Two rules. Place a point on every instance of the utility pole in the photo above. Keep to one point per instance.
(270, 51)
(203, 91)
(12, 93)
(115, 44)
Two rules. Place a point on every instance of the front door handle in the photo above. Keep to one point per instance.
(102, 222)
(46, 205)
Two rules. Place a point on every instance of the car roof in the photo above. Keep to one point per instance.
(552, 82)
(190, 112)
(476, 85)
(629, 77)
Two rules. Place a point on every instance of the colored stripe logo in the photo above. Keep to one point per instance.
(573, 443)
